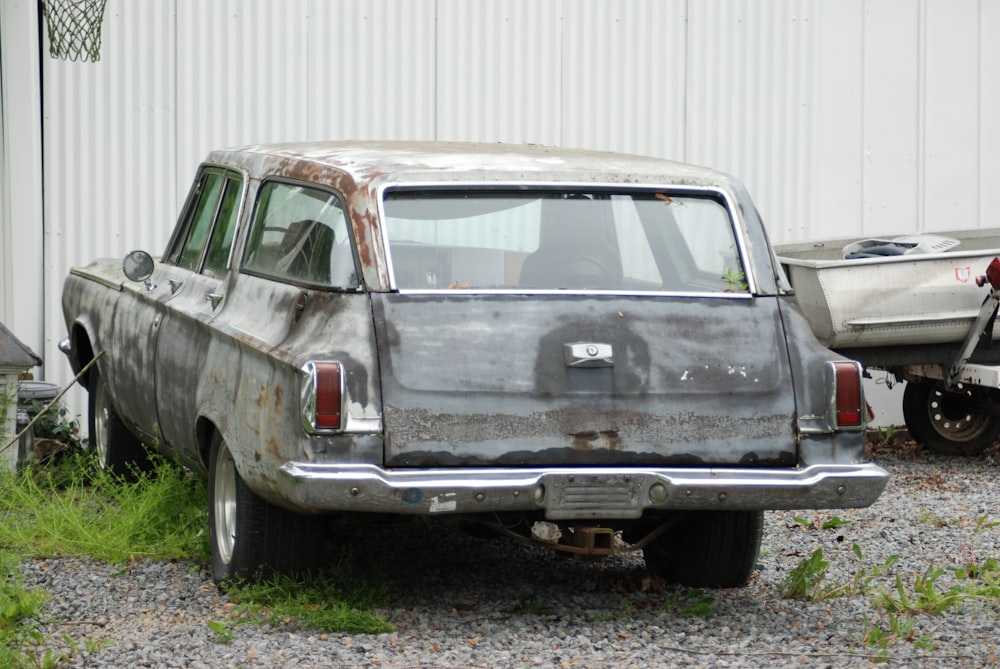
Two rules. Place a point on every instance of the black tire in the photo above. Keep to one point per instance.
(117, 449)
(708, 549)
(947, 423)
(251, 538)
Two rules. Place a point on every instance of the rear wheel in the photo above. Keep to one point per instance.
(947, 423)
(118, 451)
(715, 549)
(250, 537)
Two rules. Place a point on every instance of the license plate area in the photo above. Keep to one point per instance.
(594, 496)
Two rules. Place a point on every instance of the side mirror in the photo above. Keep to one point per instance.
(138, 265)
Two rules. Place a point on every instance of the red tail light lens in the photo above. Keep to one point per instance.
(849, 404)
(323, 396)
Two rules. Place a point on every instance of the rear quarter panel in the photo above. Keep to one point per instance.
(250, 387)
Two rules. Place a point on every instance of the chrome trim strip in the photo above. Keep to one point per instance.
(567, 292)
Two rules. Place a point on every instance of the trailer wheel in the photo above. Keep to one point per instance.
(947, 423)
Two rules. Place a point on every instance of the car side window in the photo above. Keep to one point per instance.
(301, 234)
(217, 258)
(209, 220)
(187, 248)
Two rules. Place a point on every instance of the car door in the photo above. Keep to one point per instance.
(201, 253)
(130, 341)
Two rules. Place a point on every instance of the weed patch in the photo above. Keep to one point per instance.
(76, 509)
(331, 601)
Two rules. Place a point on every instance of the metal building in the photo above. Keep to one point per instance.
(847, 117)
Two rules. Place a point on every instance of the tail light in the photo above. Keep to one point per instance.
(849, 408)
(323, 396)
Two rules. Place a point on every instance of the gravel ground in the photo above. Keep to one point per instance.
(460, 601)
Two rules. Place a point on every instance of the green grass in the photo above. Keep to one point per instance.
(73, 509)
(19, 610)
(331, 601)
(902, 598)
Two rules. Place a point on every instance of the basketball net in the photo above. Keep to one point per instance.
(74, 28)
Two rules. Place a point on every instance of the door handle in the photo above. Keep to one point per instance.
(588, 354)
(215, 299)
(175, 284)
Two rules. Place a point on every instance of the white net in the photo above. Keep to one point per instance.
(74, 28)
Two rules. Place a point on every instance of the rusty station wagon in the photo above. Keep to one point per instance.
(588, 351)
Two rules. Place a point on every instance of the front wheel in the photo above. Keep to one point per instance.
(118, 450)
(250, 537)
(715, 549)
(947, 423)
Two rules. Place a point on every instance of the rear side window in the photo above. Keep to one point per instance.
(300, 234)
(623, 241)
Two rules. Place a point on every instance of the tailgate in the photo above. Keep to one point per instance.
(549, 380)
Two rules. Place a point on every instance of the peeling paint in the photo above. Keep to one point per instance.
(456, 380)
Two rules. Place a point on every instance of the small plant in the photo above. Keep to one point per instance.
(884, 436)
(900, 629)
(694, 603)
(803, 581)
(923, 596)
(55, 423)
(533, 606)
(927, 518)
(827, 524)
(984, 523)
(223, 634)
(625, 611)
(736, 280)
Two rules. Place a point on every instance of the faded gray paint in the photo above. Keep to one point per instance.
(721, 382)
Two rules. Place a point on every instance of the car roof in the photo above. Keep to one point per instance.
(380, 162)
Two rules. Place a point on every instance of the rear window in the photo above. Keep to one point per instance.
(616, 241)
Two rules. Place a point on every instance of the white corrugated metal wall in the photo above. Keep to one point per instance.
(857, 116)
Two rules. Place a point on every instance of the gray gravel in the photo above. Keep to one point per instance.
(457, 598)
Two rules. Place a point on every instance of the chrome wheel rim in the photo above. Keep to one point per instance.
(224, 504)
(101, 411)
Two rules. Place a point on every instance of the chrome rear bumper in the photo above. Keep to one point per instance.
(581, 492)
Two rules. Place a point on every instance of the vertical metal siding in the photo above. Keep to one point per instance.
(21, 271)
(892, 111)
(837, 169)
(624, 76)
(750, 102)
(986, 73)
(950, 124)
(371, 70)
(499, 71)
(242, 75)
(854, 117)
